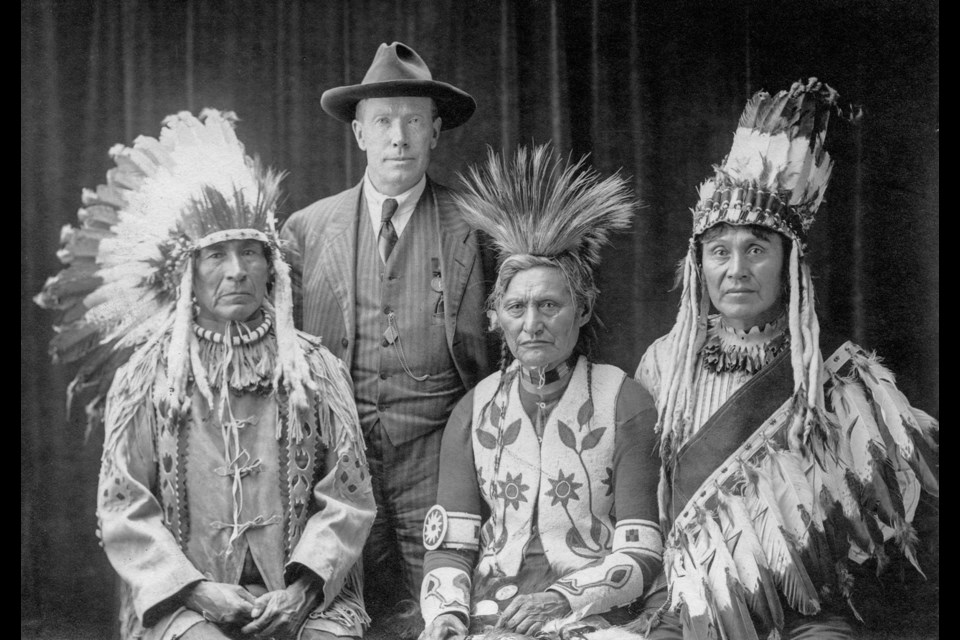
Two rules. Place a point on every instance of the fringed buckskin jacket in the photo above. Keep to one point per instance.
(570, 510)
(234, 492)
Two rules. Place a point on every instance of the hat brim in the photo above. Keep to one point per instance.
(454, 106)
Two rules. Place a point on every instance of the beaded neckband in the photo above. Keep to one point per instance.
(236, 340)
(728, 349)
(541, 377)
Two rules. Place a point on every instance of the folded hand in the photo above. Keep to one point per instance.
(528, 613)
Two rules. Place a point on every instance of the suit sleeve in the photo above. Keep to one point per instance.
(138, 544)
(452, 526)
(634, 560)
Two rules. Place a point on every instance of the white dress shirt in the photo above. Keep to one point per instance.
(406, 201)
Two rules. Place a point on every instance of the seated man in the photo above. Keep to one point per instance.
(546, 513)
(778, 464)
(234, 496)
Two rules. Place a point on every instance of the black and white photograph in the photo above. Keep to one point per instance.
(486, 319)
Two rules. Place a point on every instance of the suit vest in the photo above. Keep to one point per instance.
(403, 373)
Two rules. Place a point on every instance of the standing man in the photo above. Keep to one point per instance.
(391, 278)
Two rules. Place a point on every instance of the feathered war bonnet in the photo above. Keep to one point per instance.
(536, 205)
(128, 278)
(775, 177)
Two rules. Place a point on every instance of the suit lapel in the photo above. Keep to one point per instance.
(339, 260)
(458, 254)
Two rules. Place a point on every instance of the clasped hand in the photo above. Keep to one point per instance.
(276, 614)
(527, 613)
(220, 603)
(445, 626)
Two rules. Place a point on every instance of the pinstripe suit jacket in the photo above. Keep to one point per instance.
(320, 244)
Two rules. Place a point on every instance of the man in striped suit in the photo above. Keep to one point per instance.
(392, 279)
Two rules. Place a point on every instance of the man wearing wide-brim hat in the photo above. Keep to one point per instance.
(392, 279)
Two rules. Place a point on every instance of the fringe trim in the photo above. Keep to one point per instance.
(675, 406)
(292, 369)
(729, 349)
(333, 405)
(348, 609)
(131, 391)
(250, 367)
(178, 351)
(285, 476)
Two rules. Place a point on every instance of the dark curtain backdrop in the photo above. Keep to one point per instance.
(650, 88)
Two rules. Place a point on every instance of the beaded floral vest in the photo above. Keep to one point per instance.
(562, 481)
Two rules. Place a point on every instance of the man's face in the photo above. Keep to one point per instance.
(539, 317)
(230, 282)
(398, 135)
(743, 271)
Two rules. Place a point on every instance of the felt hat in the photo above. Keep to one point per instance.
(396, 71)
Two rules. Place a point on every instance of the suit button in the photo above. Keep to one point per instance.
(344, 343)
(387, 310)
(384, 375)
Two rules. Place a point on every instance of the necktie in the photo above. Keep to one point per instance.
(388, 235)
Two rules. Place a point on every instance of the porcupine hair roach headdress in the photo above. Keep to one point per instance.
(775, 177)
(128, 277)
(542, 211)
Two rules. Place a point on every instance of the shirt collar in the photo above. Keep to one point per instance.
(406, 203)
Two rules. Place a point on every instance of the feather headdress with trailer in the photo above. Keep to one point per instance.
(836, 472)
(129, 264)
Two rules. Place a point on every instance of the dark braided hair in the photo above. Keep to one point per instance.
(506, 357)
(590, 381)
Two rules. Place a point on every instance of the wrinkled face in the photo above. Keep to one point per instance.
(539, 317)
(743, 272)
(230, 282)
(398, 135)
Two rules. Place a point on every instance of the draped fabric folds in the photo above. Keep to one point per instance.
(649, 87)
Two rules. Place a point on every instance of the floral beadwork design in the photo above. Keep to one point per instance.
(563, 489)
(599, 532)
(608, 481)
(513, 490)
